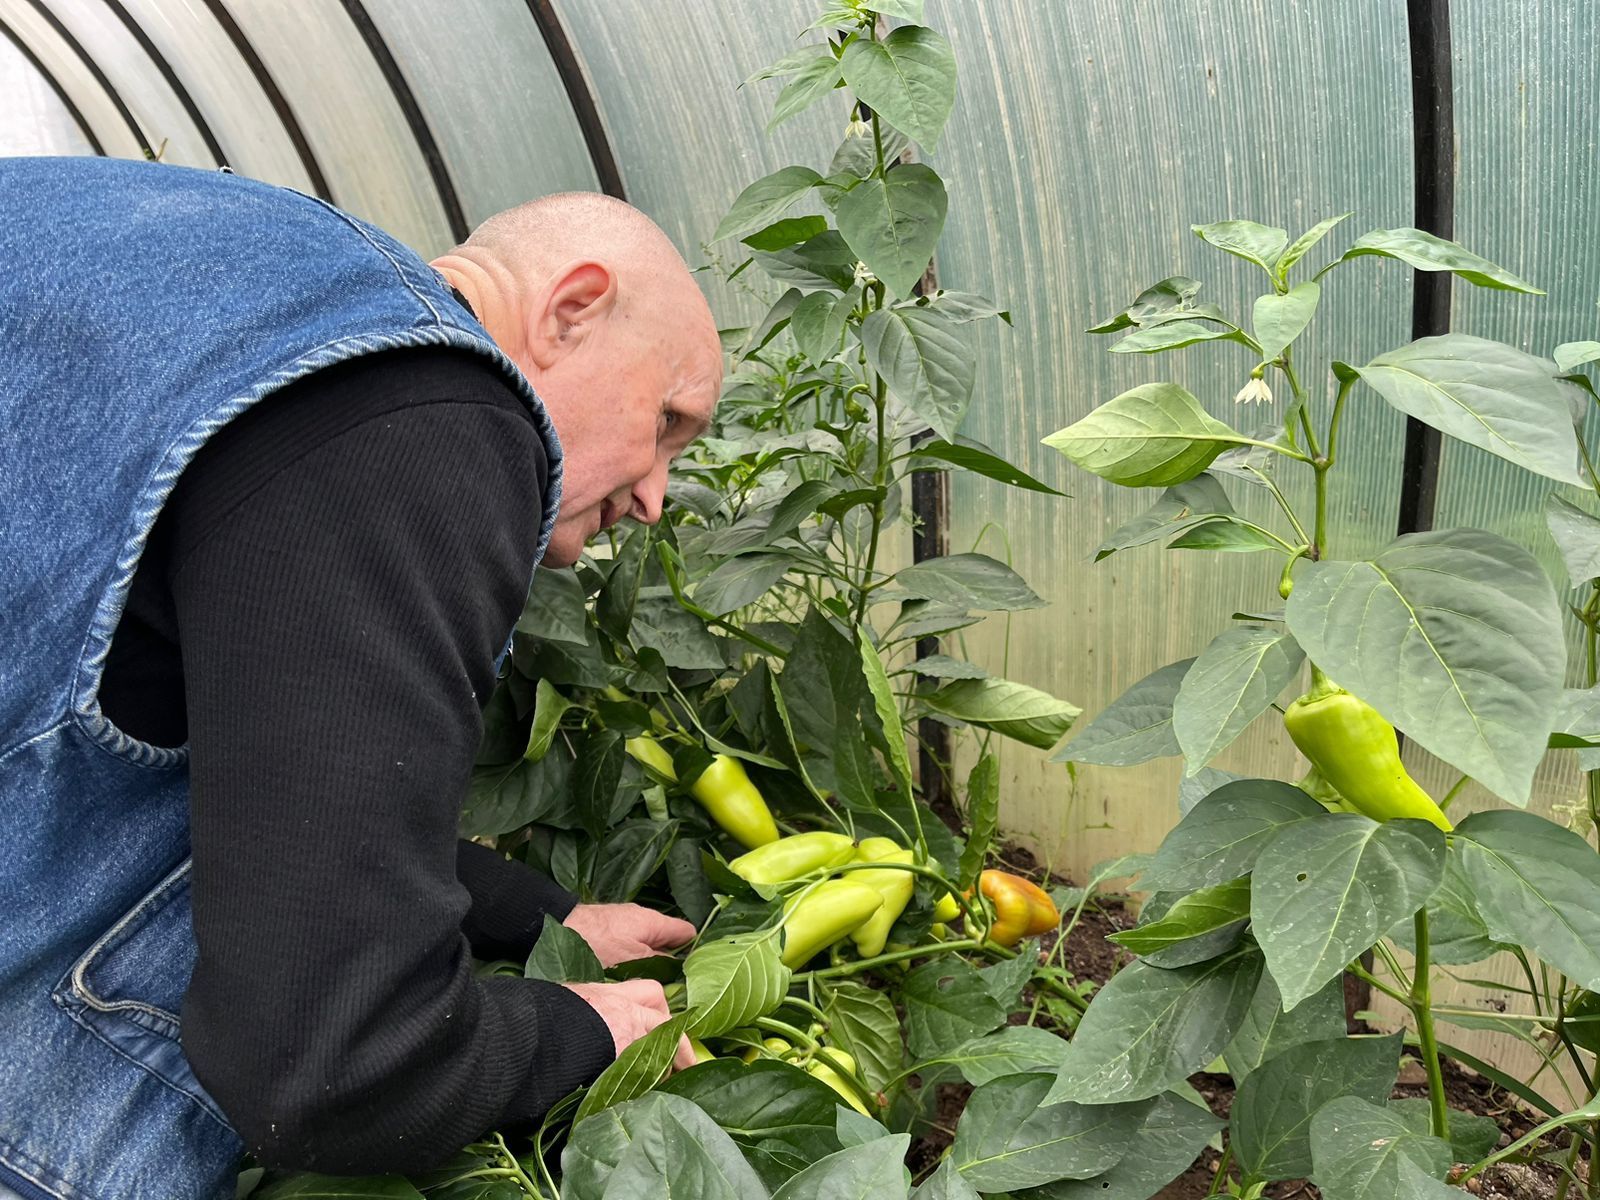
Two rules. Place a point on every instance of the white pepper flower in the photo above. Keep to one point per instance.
(1255, 391)
(864, 275)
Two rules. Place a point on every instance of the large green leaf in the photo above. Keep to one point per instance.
(630, 854)
(765, 200)
(887, 707)
(972, 581)
(562, 956)
(1570, 356)
(983, 816)
(863, 1023)
(1225, 536)
(1172, 1134)
(681, 1162)
(1235, 680)
(818, 324)
(1428, 252)
(1472, 1135)
(1536, 885)
(1154, 435)
(823, 261)
(1181, 507)
(733, 981)
(599, 1145)
(597, 779)
(1454, 636)
(1249, 240)
(1577, 720)
(1135, 728)
(765, 1103)
(1221, 837)
(1011, 1050)
(1171, 298)
(874, 1170)
(1271, 1119)
(1456, 931)
(1172, 335)
(503, 798)
(1149, 1028)
(945, 1183)
(824, 691)
(1359, 1149)
(947, 1003)
(979, 462)
(894, 223)
(809, 84)
(548, 708)
(909, 77)
(926, 362)
(740, 581)
(1013, 709)
(1007, 1140)
(1325, 890)
(1198, 926)
(1268, 1031)
(637, 1069)
(1577, 536)
(555, 608)
(1279, 319)
(1485, 393)
(1302, 244)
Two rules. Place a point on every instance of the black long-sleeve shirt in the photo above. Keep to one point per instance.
(317, 614)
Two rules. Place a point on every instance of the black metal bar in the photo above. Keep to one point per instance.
(55, 86)
(579, 96)
(94, 69)
(171, 76)
(420, 130)
(1433, 144)
(291, 125)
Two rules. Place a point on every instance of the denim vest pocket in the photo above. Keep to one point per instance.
(128, 987)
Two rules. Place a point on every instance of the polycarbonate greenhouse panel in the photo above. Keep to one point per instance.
(35, 121)
(1086, 140)
(496, 106)
(156, 108)
(222, 86)
(351, 119)
(74, 77)
(687, 136)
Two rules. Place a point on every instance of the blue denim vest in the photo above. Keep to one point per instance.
(142, 307)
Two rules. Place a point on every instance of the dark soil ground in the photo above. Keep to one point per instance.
(1089, 956)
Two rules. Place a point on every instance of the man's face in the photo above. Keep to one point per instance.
(624, 405)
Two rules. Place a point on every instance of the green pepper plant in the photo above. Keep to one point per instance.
(715, 717)
(1267, 891)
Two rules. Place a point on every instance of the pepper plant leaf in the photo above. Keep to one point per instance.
(983, 815)
(1570, 356)
(1325, 890)
(1457, 934)
(945, 1183)
(979, 462)
(1268, 1030)
(969, 581)
(1149, 1028)
(1235, 680)
(1135, 727)
(765, 200)
(947, 1003)
(1172, 335)
(894, 223)
(1172, 1135)
(1224, 536)
(555, 610)
(1359, 1149)
(1577, 536)
(681, 1162)
(823, 261)
(1270, 1124)
(1016, 710)
(926, 362)
(1154, 435)
(805, 87)
(733, 981)
(1536, 885)
(741, 580)
(871, 1170)
(1454, 636)
(597, 1147)
(1427, 252)
(1171, 295)
(1181, 507)
(765, 1104)
(307, 1186)
(790, 231)
(1205, 922)
(1279, 319)
(909, 77)
(562, 956)
(863, 1023)
(1302, 245)
(1011, 1050)
(818, 324)
(1488, 395)
(641, 1066)
(1249, 240)
(1222, 836)
(1577, 724)
(1006, 1140)
(824, 691)
(548, 708)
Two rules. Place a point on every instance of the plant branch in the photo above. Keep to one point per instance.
(1420, 1009)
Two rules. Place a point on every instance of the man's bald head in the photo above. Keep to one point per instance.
(594, 303)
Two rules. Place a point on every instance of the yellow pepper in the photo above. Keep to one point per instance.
(820, 1068)
(1021, 908)
(792, 857)
(723, 789)
(947, 909)
(893, 885)
(826, 914)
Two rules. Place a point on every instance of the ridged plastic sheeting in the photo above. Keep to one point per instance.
(74, 77)
(41, 123)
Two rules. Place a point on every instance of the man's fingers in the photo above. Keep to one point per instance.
(670, 932)
(684, 1059)
(646, 993)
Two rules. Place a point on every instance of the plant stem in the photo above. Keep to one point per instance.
(1283, 503)
(1300, 404)
(893, 956)
(1423, 1012)
(1372, 980)
(1222, 1170)
(1333, 421)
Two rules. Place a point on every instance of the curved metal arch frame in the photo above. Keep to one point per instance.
(95, 72)
(171, 77)
(579, 95)
(67, 101)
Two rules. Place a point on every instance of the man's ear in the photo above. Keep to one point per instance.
(563, 312)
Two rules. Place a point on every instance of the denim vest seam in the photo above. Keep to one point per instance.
(32, 1172)
(85, 687)
(400, 268)
(64, 722)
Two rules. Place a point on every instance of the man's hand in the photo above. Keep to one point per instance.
(632, 1008)
(619, 932)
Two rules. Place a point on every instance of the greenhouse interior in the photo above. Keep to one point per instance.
(800, 599)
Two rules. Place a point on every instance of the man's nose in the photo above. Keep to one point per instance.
(649, 494)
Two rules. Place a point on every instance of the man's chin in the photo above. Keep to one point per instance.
(565, 548)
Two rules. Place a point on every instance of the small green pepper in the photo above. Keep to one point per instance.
(793, 857)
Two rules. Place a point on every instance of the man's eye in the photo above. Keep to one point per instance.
(669, 420)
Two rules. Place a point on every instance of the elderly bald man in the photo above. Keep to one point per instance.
(273, 490)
